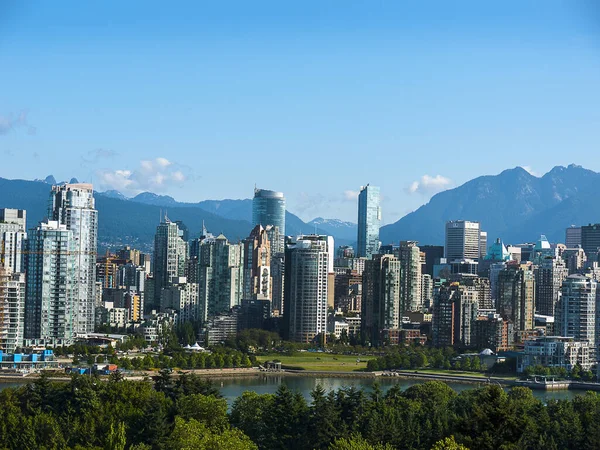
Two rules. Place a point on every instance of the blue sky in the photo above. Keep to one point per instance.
(204, 100)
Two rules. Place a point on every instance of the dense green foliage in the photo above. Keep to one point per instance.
(187, 412)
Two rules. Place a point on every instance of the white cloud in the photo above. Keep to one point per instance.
(429, 185)
(351, 195)
(155, 175)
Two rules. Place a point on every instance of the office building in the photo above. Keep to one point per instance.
(381, 306)
(516, 297)
(73, 205)
(432, 253)
(369, 221)
(170, 252)
(268, 208)
(549, 276)
(51, 289)
(482, 244)
(590, 240)
(409, 255)
(463, 240)
(12, 309)
(307, 261)
(573, 237)
(220, 276)
(12, 238)
(576, 312)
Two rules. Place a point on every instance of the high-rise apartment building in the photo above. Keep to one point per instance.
(73, 205)
(590, 240)
(12, 238)
(258, 283)
(549, 276)
(573, 237)
(463, 240)
(409, 255)
(455, 308)
(516, 297)
(51, 299)
(307, 287)
(381, 301)
(576, 311)
(369, 221)
(220, 275)
(12, 309)
(268, 208)
(482, 244)
(170, 252)
(183, 298)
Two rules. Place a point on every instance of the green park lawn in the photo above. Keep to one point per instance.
(319, 361)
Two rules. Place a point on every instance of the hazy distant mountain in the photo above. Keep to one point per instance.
(336, 227)
(133, 221)
(513, 205)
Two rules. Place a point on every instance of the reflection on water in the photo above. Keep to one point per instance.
(231, 388)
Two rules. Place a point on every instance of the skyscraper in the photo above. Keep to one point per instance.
(576, 311)
(268, 208)
(220, 276)
(590, 240)
(369, 221)
(12, 309)
(73, 205)
(455, 308)
(573, 237)
(170, 253)
(463, 240)
(381, 306)
(307, 287)
(549, 276)
(258, 283)
(410, 260)
(516, 297)
(52, 285)
(12, 238)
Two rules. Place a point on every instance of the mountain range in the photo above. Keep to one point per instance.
(513, 205)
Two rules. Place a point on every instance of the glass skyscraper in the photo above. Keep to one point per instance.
(369, 221)
(268, 208)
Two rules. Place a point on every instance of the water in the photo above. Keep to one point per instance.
(231, 388)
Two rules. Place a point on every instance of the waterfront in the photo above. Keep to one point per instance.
(233, 387)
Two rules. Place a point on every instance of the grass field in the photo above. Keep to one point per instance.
(319, 361)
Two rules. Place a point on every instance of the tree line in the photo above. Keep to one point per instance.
(188, 412)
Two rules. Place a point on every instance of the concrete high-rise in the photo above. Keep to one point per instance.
(170, 252)
(381, 301)
(73, 205)
(576, 311)
(12, 238)
(307, 287)
(51, 300)
(455, 308)
(268, 208)
(573, 237)
(220, 276)
(516, 297)
(549, 276)
(12, 309)
(369, 221)
(463, 240)
(410, 260)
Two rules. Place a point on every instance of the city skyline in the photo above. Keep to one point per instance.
(145, 98)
